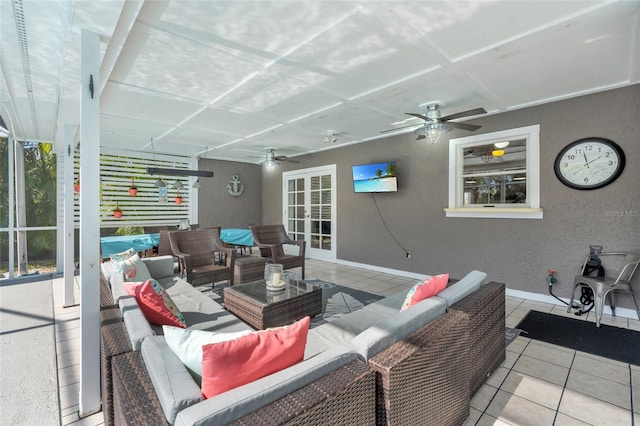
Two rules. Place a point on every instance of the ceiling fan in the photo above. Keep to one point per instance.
(435, 125)
(331, 136)
(271, 159)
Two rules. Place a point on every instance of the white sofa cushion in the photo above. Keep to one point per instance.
(236, 403)
(174, 386)
(385, 333)
(461, 289)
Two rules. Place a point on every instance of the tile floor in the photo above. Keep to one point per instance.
(538, 384)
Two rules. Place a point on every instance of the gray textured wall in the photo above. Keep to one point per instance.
(517, 252)
(216, 207)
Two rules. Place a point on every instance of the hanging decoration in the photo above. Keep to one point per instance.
(133, 190)
(162, 194)
(76, 184)
(117, 212)
(235, 188)
(178, 198)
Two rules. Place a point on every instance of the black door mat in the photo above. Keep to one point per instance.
(616, 343)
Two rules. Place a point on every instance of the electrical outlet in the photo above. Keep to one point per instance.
(408, 255)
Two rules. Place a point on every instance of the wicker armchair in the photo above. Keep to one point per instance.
(164, 245)
(271, 238)
(196, 252)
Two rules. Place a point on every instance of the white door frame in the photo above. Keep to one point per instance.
(311, 253)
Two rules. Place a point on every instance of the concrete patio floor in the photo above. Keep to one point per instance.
(39, 336)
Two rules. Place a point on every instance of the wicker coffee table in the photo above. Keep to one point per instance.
(260, 308)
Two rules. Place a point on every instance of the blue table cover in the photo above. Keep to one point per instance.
(237, 236)
(120, 243)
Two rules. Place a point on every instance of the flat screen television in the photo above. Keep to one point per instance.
(375, 177)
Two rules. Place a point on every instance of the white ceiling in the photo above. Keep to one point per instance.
(236, 77)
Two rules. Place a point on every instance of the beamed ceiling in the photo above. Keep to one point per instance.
(236, 77)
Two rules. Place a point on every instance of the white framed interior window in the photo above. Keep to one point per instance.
(496, 175)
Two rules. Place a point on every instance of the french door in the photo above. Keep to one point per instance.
(309, 212)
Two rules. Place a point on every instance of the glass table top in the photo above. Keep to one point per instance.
(258, 291)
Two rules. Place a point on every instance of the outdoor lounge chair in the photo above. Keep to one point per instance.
(196, 251)
(270, 240)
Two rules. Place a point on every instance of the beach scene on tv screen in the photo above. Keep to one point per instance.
(378, 177)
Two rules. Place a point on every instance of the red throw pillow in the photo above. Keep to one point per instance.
(227, 365)
(155, 303)
(424, 289)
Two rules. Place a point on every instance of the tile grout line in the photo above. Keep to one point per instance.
(564, 387)
(503, 380)
(55, 349)
(631, 394)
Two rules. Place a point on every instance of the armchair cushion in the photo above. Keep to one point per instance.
(271, 238)
(155, 303)
(230, 364)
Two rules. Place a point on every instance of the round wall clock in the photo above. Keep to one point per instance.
(589, 163)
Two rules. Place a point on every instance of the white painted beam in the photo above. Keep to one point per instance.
(68, 231)
(12, 217)
(90, 223)
(21, 213)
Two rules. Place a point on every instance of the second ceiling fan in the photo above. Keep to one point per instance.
(435, 125)
(271, 159)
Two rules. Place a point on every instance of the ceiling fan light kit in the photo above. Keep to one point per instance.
(270, 164)
(331, 136)
(432, 132)
(435, 126)
(271, 160)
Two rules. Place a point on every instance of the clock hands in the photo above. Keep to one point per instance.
(593, 160)
(587, 162)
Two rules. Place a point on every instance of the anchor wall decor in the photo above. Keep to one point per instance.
(235, 187)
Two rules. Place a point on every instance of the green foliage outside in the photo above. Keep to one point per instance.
(40, 196)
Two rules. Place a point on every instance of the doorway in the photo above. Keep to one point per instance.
(309, 212)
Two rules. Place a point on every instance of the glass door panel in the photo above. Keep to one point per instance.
(309, 209)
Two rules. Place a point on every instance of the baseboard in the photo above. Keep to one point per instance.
(381, 269)
(545, 298)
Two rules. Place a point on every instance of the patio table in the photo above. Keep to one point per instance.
(237, 236)
(119, 243)
(261, 308)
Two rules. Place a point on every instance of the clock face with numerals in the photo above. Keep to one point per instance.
(589, 163)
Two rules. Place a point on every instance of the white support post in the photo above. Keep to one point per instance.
(12, 216)
(69, 253)
(21, 212)
(90, 223)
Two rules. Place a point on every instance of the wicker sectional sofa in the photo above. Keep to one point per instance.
(372, 366)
